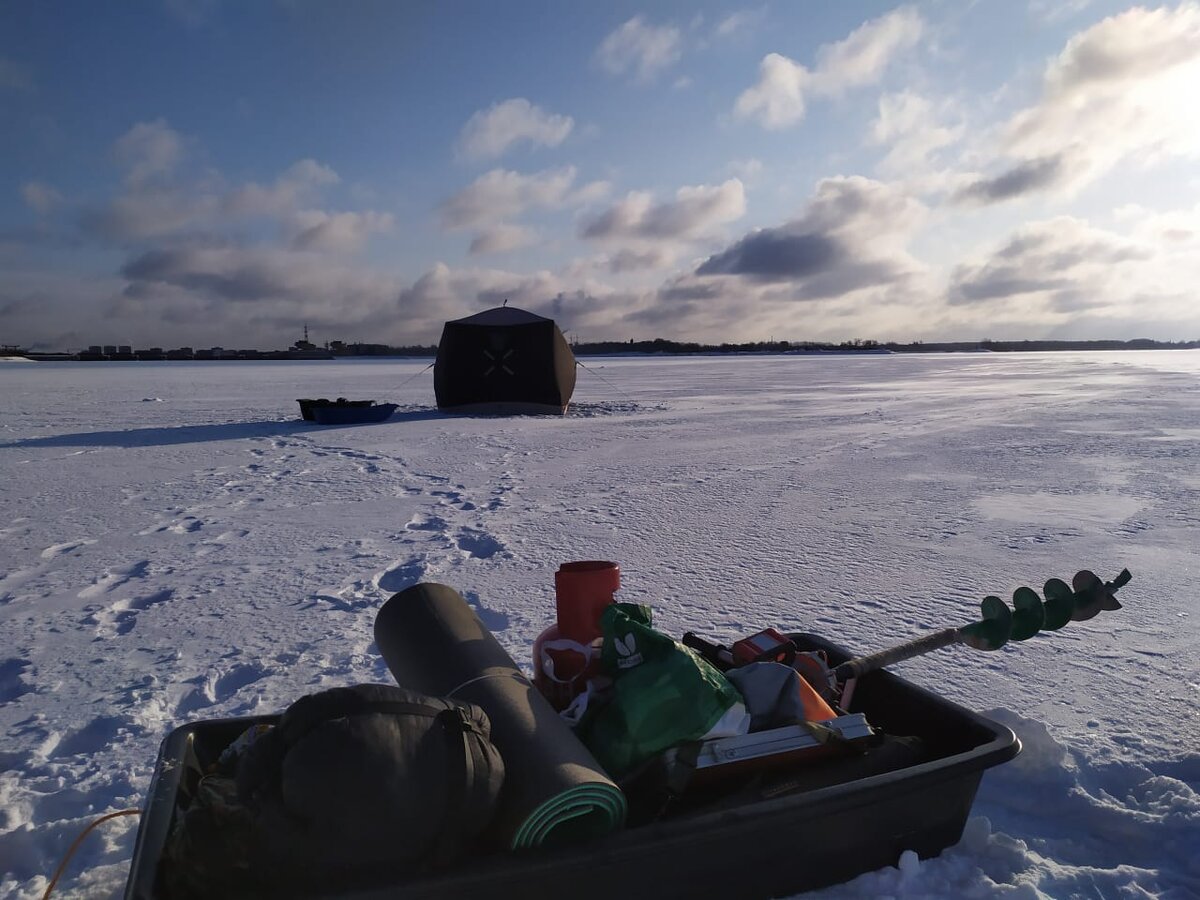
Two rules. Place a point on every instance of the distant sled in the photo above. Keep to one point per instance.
(345, 412)
(504, 361)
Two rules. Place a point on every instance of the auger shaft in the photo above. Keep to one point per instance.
(999, 625)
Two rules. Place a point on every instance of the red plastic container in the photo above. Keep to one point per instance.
(567, 653)
(581, 591)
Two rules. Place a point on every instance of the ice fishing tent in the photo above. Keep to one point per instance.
(503, 361)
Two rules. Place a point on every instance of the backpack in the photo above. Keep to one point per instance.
(353, 786)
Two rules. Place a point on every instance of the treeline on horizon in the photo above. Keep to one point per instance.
(664, 346)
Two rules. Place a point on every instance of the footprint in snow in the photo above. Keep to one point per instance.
(121, 616)
(477, 544)
(114, 578)
(59, 549)
(421, 522)
(12, 684)
(492, 618)
(219, 686)
(94, 736)
(400, 576)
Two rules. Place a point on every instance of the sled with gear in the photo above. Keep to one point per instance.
(777, 765)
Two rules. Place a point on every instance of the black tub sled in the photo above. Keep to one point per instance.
(344, 412)
(557, 825)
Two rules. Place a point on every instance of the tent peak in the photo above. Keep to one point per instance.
(503, 315)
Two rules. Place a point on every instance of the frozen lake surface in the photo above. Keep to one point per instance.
(175, 543)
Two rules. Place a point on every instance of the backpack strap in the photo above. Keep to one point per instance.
(460, 772)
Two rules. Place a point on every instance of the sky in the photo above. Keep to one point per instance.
(206, 173)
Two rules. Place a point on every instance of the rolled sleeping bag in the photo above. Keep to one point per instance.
(554, 792)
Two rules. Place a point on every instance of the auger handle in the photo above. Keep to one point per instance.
(856, 668)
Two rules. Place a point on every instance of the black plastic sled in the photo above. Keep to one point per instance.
(772, 847)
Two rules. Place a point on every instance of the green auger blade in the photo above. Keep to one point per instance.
(1059, 605)
(1092, 595)
(991, 633)
(1029, 616)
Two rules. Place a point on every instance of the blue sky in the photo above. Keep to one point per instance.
(198, 172)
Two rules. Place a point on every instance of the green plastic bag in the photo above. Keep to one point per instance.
(663, 694)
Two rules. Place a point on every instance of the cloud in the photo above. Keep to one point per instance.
(503, 194)
(154, 202)
(1063, 261)
(489, 133)
(641, 49)
(776, 254)
(144, 212)
(778, 99)
(14, 76)
(337, 232)
(1053, 11)
(40, 197)
(737, 22)
(1026, 177)
(850, 237)
(157, 202)
(694, 210)
(501, 239)
(1121, 89)
(259, 290)
(148, 150)
(861, 58)
(909, 125)
(299, 184)
(630, 260)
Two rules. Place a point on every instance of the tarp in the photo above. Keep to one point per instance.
(554, 791)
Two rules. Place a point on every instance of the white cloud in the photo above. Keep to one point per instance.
(491, 132)
(255, 295)
(40, 197)
(145, 212)
(503, 194)
(740, 21)
(1063, 265)
(694, 210)
(852, 236)
(861, 58)
(148, 150)
(641, 49)
(1123, 89)
(778, 99)
(444, 293)
(299, 184)
(337, 232)
(747, 169)
(909, 125)
(1054, 11)
(501, 239)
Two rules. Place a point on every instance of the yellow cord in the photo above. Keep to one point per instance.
(79, 840)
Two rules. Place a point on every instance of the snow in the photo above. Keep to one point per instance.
(209, 554)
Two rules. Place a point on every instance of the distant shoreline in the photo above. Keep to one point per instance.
(657, 347)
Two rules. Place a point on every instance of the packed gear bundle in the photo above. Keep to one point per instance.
(350, 786)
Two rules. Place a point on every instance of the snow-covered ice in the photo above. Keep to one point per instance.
(175, 543)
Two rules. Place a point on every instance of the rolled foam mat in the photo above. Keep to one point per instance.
(554, 792)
